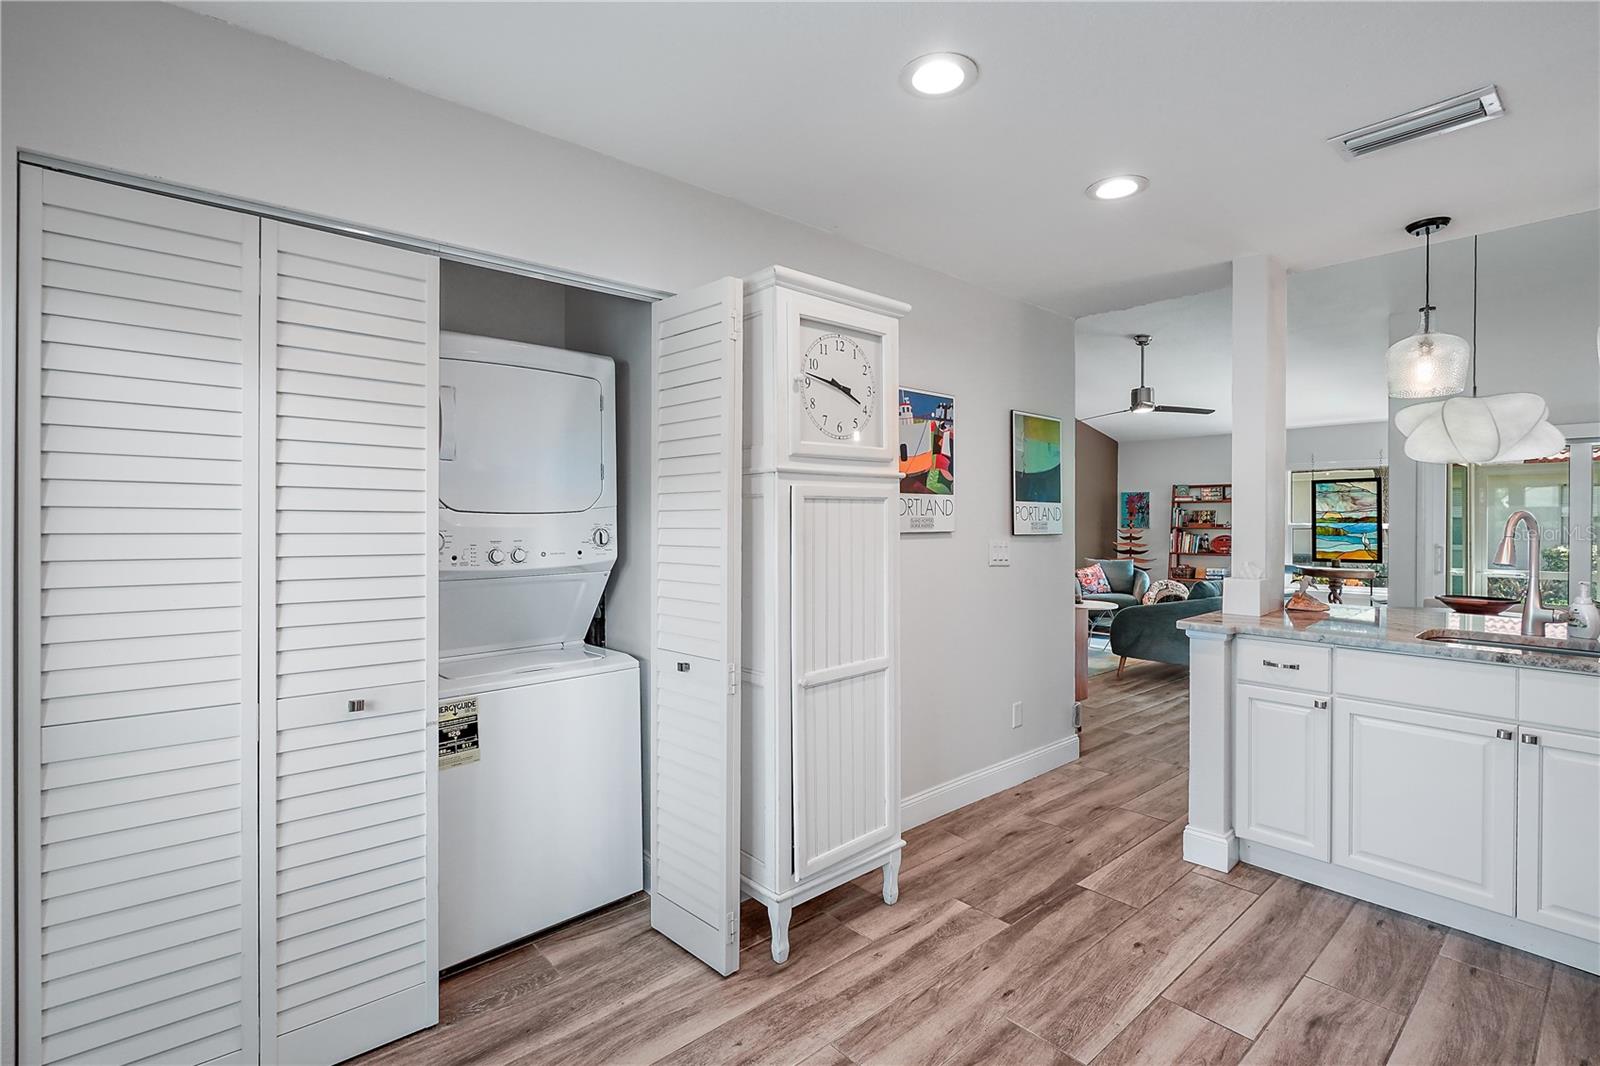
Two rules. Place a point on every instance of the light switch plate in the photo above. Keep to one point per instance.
(999, 552)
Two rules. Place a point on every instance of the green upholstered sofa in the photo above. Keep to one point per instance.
(1128, 583)
(1150, 631)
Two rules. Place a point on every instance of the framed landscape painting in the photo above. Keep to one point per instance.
(927, 462)
(1036, 508)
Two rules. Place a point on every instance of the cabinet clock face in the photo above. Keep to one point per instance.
(839, 387)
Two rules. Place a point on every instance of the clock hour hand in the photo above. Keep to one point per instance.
(841, 387)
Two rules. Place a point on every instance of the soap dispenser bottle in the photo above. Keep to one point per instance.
(1584, 618)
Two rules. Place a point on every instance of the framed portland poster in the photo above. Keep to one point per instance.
(927, 462)
(1035, 474)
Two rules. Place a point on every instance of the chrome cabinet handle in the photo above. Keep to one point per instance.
(1320, 705)
(1502, 734)
(1280, 666)
(356, 705)
(1530, 738)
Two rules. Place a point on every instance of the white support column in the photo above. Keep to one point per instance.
(1260, 334)
(1208, 839)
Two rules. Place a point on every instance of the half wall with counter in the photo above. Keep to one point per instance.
(1417, 759)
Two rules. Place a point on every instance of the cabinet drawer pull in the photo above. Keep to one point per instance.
(356, 705)
(1280, 666)
(1502, 734)
(1320, 705)
(1530, 738)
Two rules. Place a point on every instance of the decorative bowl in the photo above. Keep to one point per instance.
(1477, 604)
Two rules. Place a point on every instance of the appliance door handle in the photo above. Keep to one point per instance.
(447, 423)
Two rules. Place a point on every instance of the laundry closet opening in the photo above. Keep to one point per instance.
(543, 615)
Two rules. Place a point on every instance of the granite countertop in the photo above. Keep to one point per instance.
(1400, 629)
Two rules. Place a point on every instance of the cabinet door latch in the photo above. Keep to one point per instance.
(1530, 738)
(1502, 734)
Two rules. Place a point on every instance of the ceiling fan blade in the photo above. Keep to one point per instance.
(1108, 414)
(1167, 408)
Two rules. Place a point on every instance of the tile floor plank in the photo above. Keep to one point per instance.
(1168, 1035)
(1144, 871)
(1166, 801)
(1497, 958)
(1079, 806)
(1322, 1026)
(1245, 976)
(1381, 956)
(1467, 1014)
(1570, 1033)
(1083, 1009)
(1252, 879)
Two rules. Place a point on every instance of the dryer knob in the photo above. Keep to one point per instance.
(602, 537)
(496, 556)
(519, 555)
(441, 542)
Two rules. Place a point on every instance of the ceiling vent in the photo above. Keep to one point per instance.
(1456, 113)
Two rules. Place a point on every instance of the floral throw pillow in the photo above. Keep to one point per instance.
(1161, 591)
(1092, 580)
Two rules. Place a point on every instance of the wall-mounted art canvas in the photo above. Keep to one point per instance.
(1347, 520)
(1135, 510)
(927, 462)
(1036, 507)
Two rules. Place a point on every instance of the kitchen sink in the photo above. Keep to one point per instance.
(1513, 642)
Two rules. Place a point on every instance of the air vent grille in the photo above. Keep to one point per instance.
(1456, 113)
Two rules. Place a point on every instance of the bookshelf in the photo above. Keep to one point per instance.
(1192, 539)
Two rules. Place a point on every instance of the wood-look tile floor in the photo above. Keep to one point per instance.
(1052, 924)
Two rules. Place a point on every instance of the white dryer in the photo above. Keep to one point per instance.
(540, 792)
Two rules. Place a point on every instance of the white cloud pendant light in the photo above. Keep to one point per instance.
(1507, 428)
(1478, 430)
(1428, 364)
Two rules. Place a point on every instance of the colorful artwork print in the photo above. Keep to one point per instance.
(1135, 510)
(927, 462)
(1036, 507)
(1347, 520)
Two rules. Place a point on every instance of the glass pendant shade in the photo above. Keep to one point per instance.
(1428, 364)
(1479, 430)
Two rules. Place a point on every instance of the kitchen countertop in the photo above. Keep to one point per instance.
(1399, 629)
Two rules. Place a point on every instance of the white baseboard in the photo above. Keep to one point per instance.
(928, 804)
(1215, 851)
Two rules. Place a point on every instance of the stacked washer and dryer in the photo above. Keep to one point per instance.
(539, 796)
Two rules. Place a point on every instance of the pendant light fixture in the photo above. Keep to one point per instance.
(1426, 363)
(1472, 430)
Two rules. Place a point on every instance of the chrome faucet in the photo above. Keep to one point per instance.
(1535, 615)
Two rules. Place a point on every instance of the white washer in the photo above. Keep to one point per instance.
(543, 821)
(546, 825)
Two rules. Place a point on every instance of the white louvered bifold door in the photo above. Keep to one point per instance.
(349, 372)
(694, 702)
(137, 626)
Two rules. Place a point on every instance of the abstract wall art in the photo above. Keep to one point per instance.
(1036, 507)
(927, 462)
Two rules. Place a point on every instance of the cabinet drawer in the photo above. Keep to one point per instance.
(1446, 684)
(1283, 664)
(1559, 701)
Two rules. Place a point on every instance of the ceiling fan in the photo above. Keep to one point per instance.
(1142, 400)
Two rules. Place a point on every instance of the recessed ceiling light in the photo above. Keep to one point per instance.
(939, 74)
(1117, 188)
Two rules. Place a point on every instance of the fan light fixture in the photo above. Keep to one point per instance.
(1142, 398)
(938, 74)
(1428, 364)
(1472, 430)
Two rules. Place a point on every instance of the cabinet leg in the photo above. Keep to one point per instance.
(891, 879)
(778, 917)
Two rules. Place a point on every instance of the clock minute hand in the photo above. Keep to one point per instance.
(842, 388)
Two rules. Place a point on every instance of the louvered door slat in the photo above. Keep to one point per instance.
(694, 709)
(138, 334)
(349, 366)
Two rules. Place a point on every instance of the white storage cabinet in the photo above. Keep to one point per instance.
(226, 671)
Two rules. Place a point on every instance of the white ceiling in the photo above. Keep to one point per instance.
(797, 109)
(1538, 316)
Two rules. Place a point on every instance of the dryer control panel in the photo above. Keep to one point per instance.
(485, 544)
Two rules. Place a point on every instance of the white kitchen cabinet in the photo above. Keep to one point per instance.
(1282, 762)
(1426, 799)
(225, 675)
(1558, 831)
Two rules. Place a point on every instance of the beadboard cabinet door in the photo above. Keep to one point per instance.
(349, 376)
(137, 614)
